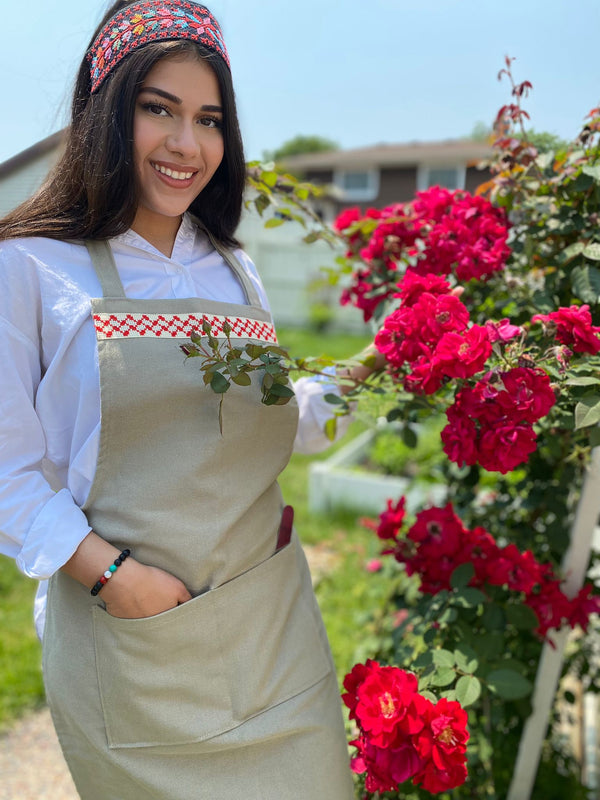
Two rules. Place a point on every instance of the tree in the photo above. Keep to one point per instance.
(298, 145)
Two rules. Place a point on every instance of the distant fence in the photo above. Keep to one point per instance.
(288, 268)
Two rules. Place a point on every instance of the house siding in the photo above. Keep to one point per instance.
(397, 185)
(21, 183)
(475, 177)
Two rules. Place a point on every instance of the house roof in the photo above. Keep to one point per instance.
(35, 151)
(451, 151)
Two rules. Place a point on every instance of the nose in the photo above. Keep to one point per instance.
(184, 140)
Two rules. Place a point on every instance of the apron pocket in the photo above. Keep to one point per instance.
(205, 667)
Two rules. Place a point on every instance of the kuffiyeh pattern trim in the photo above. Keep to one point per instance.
(151, 21)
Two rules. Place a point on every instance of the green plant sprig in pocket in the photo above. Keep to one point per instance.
(223, 364)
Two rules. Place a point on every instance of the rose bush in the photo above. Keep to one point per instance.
(486, 309)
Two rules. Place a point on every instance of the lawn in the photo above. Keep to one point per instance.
(345, 594)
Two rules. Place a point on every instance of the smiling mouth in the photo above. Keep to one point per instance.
(171, 173)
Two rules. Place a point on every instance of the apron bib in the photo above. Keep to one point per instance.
(232, 694)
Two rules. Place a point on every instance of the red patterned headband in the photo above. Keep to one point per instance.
(151, 21)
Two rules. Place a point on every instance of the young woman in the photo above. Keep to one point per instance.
(184, 653)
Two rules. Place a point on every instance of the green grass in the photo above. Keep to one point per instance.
(20, 654)
(344, 595)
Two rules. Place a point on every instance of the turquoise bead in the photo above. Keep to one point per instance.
(112, 568)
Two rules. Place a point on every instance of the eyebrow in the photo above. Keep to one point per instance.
(177, 100)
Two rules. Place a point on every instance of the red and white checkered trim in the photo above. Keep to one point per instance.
(179, 326)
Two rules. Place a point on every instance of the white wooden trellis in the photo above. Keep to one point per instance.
(575, 565)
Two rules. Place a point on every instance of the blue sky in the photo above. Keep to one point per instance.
(356, 72)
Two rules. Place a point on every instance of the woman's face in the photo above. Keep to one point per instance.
(177, 136)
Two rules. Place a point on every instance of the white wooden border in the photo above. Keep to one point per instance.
(575, 566)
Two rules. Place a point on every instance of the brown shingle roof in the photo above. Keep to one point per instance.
(450, 151)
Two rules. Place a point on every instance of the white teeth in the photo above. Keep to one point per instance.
(179, 176)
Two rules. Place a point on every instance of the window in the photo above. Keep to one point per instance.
(357, 184)
(446, 176)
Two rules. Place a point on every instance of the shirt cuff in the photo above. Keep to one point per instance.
(55, 535)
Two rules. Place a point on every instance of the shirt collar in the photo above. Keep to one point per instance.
(188, 237)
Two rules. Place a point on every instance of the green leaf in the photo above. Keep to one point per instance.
(281, 391)
(331, 428)
(254, 350)
(443, 658)
(468, 598)
(447, 616)
(219, 383)
(242, 379)
(592, 251)
(462, 575)
(311, 237)
(468, 689)
(334, 399)
(490, 645)
(449, 695)
(571, 252)
(595, 437)
(583, 381)
(274, 222)
(428, 696)
(593, 172)
(466, 658)
(587, 412)
(522, 617)
(443, 676)
(269, 177)
(261, 203)
(508, 684)
(409, 437)
(585, 281)
(424, 660)
(493, 618)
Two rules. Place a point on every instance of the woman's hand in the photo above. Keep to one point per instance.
(135, 590)
(142, 591)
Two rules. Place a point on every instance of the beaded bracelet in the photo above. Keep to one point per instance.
(109, 572)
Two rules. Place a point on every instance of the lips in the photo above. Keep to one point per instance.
(181, 177)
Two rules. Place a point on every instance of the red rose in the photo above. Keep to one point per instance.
(390, 521)
(573, 327)
(388, 706)
(504, 446)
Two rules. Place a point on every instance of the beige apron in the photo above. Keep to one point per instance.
(232, 694)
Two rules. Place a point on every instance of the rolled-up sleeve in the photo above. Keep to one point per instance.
(315, 411)
(39, 527)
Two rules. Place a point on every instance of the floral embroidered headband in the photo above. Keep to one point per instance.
(151, 21)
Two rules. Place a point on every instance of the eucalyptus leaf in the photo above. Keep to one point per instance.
(334, 399)
(282, 391)
(219, 383)
(241, 379)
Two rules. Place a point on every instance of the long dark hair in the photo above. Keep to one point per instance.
(92, 193)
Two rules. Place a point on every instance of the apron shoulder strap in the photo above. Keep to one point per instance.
(229, 257)
(104, 263)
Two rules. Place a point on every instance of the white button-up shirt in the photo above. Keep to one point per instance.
(50, 385)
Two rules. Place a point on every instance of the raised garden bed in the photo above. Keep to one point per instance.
(340, 483)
